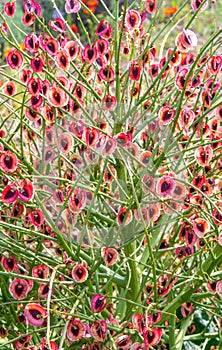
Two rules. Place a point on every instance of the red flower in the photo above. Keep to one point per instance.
(9, 264)
(104, 30)
(35, 314)
(106, 73)
(53, 345)
(34, 86)
(36, 217)
(186, 40)
(31, 43)
(15, 59)
(37, 64)
(124, 216)
(65, 142)
(28, 19)
(51, 46)
(57, 97)
(40, 271)
(75, 330)
(135, 69)
(9, 194)
(110, 255)
(197, 3)
(62, 60)
(99, 330)
(201, 227)
(79, 273)
(19, 288)
(124, 341)
(152, 336)
(72, 6)
(58, 25)
(214, 64)
(9, 8)
(133, 19)
(150, 6)
(77, 200)
(89, 54)
(8, 162)
(165, 186)
(98, 303)
(203, 155)
(43, 290)
(10, 88)
(72, 48)
(166, 114)
(22, 342)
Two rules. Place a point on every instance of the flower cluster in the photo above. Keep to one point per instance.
(110, 168)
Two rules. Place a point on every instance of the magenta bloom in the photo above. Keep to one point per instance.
(9, 264)
(58, 25)
(197, 3)
(150, 6)
(15, 59)
(166, 114)
(124, 341)
(75, 330)
(79, 273)
(35, 314)
(98, 303)
(8, 162)
(165, 186)
(201, 227)
(99, 330)
(36, 217)
(152, 336)
(133, 19)
(77, 200)
(9, 194)
(135, 69)
(104, 30)
(9, 8)
(72, 6)
(110, 255)
(19, 288)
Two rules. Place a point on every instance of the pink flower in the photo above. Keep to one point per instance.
(72, 6)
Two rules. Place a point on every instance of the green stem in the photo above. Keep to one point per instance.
(186, 294)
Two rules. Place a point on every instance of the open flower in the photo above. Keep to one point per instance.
(8, 162)
(35, 314)
(19, 288)
(77, 200)
(152, 336)
(9, 8)
(201, 227)
(133, 19)
(98, 303)
(72, 6)
(150, 6)
(80, 273)
(75, 330)
(124, 216)
(203, 155)
(110, 255)
(197, 3)
(99, 330)
(165, 186)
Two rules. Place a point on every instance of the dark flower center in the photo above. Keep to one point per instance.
(75, 330)
(8, 161)
(19, 289)
(10, 193)
(165, 186)
(35, 314)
